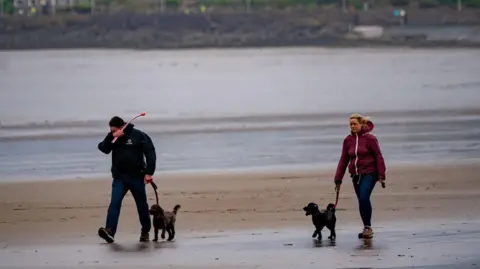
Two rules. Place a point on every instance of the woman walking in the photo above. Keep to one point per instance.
(362, 155)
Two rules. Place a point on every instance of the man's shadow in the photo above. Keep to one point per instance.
(141, 247)
(138, 247)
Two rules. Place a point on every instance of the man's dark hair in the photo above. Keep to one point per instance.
(116, 122)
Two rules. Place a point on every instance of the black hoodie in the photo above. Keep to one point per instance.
(128, 152)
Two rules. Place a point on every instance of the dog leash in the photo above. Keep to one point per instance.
(154, 186)
(336, 199)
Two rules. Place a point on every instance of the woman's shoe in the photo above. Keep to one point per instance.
(366, 233)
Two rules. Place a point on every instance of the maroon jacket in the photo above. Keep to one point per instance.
(362, 154)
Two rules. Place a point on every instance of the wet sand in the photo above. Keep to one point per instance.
(423, 245)
(247, 220)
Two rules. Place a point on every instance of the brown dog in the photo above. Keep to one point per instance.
(164, 220)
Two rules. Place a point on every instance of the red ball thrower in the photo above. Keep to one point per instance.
(139, 115)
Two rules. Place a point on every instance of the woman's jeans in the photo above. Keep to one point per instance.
(363, 186)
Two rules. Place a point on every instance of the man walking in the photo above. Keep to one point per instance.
(129, 172)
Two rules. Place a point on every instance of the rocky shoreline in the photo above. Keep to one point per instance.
(259, 29)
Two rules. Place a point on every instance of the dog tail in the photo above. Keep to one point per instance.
(175, 209)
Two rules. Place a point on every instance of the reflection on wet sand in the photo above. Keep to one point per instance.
(438, 246)
(323, 243)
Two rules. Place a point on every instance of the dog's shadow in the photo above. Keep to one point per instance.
(164, 244)
(323, 243)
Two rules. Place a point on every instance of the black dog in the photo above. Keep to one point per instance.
(158, 219)
(164, 220)
(321, 219)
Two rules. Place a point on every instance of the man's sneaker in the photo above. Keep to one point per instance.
(144, 237)
(106, 234)
(366, 233)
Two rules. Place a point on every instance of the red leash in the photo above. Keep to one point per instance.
(336, 199)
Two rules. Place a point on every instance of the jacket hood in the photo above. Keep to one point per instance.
(369, 127)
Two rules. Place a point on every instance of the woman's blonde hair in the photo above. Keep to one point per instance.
(361, 119)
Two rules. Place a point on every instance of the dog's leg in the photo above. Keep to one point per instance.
(163, 232)
(333, 234)
(164, 227)
(170, 232)
(320, 233)
(173, 231)
(155, 229)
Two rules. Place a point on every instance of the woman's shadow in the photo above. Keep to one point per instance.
(365, 244)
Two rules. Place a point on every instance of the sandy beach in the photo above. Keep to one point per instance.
(52, 212)
(427, 217)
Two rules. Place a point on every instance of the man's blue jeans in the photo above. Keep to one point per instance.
(136, 186)
(363, 186)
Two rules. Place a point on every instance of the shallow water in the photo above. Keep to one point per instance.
(83, 85)
(445, 244)
(223, 109)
